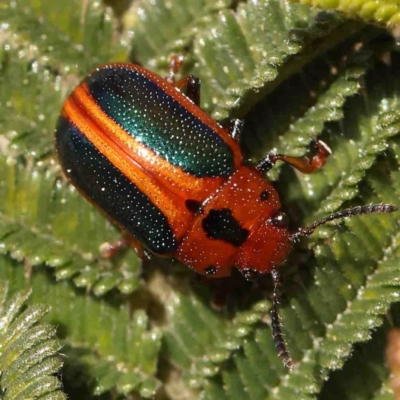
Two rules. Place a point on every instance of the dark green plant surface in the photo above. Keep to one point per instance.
(294, 74)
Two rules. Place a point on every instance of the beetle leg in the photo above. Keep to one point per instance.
(175, 64)
(190, 82)
(303, 164)
(235, 128)
(110, 250)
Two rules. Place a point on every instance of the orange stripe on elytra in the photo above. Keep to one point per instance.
(170, 204)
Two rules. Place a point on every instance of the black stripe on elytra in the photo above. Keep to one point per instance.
(220, 224)
(105, 185)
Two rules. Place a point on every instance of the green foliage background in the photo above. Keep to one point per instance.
(127, 331)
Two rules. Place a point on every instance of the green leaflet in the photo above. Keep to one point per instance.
(166, 37)
(28, 349)
(364, 375)
(30, 95)
(75, 37)
(383, 12)
(257, 39)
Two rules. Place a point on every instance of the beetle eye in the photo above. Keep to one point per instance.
(280, 220)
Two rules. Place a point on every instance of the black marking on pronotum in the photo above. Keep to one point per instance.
(220, 224)
(211, 270)
(194, 206)
(264, 196)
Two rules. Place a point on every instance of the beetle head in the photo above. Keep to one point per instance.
(266, 247)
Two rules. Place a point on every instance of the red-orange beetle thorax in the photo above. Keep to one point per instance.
(234, 228)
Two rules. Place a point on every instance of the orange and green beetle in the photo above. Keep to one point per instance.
(175, 181)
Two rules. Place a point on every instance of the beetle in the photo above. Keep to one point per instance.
(140, 148)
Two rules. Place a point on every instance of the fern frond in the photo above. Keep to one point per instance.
(123, 356)
(383, 12)
(166, 37)
(262, 39)
(317, 75)
(75, 38)
(271, 119)
(204, 342)
(38, 224)
(29, 359)
(364, 375)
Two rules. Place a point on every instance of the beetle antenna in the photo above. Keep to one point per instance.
(276, 323)
(348, 212)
